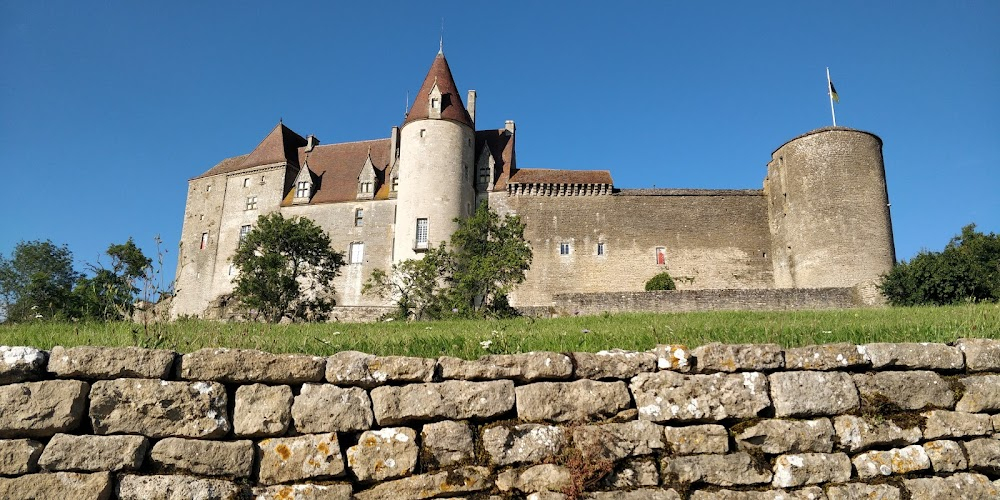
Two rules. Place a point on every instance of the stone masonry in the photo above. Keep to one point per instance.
(719, 421)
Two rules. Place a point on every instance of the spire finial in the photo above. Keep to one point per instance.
(441, 41)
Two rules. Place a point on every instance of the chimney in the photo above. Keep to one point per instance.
(311, 143)
(471, 107)
(393, 145)
(509, 126)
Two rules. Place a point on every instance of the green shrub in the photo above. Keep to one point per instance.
(661, 281)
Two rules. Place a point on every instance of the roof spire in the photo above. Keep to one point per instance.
(441, 41)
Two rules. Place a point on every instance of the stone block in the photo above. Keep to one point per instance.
(673, 397)
(872, 464)
(451, 400)
(954, 424)
(59, 485)
(262, 410)
(963, 485)
(19, 456)
(110, 362)
(525, 367)
(299, 458)
(673, 357)
(323, 408)
(775, 436)
(914, 390)
(159, 409)
(615, 364)
(68, 453)
(981, 355)
(232, 459)
(980, 393)
(447, 443)
(915, 356)
(946, 456)
(387, 453)
(811, 468)
(984, 455)
(578, 401)
(630, 474)
(304, 492)
(365, 370)
(615, 442)
(432, 485)
(807, 493)
(20, 364)
(716, 357)
(41, 409)
(696, 439)
(859, 491)
(249, 366)
(858, 433)
(175, 487)
(720, 470)
(640, 494)
(545, 477)
(523, 444)
(826, 357)
(812, 393)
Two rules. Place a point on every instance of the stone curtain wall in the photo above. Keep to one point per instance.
(892, 421)
(784, 299)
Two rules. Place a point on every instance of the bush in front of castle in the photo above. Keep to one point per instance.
(661, 281)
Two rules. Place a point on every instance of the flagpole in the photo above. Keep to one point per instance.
(829, 91)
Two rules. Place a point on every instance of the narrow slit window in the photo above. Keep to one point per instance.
(600, 249)
(564, 248)
(204, 240)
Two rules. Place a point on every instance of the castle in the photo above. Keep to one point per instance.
(821, 219)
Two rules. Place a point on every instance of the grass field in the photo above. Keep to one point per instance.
(471, 339)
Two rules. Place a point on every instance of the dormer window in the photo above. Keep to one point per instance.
(434, 102)
(366, 180)
(303, 185)
(302, 189)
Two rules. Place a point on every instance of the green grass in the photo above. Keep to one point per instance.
(590, 333)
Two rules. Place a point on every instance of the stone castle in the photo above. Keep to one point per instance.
(821, 219)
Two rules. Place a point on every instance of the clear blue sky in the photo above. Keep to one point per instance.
(108, 108)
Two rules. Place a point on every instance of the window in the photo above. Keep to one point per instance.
(564, 249)
(231, 269)
(661, 256)
(302, 189)
(208, 188)
(204, 240)
(434, 102)
(423, 132)
(251, 203)
(359, 217)
(395, 183)
(600, 249)
(421, 241)
(244, 231)
(366, 187)
(246, 182)
(357, 253)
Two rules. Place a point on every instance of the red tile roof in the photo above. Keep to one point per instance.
(551, 176)
(224, 166)
(337, 166)
(451, 101)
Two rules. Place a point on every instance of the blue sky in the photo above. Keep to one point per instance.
(107, 108)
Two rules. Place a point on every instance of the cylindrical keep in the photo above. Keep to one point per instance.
(435, 183)
(829, 210)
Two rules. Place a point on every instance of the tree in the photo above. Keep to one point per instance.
(967, 269)
(36, 281)
(110, 294)
(286, 268)
(490, 258)
(661, 281)
(487, 258)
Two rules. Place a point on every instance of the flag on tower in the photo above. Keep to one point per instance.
(833, 93)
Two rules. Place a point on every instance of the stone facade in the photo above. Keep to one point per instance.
(820, 221)
(732, 421)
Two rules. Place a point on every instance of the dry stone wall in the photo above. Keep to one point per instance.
(839, 421)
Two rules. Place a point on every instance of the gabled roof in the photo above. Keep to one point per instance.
(501, 145)
(551, 176)
(451, 101)
(281, 145)
(337, 166)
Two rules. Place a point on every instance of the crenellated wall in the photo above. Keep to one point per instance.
(831, 422)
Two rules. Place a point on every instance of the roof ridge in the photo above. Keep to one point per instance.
(351, 142)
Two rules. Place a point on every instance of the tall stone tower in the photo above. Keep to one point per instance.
(828, 210)
(437, 145)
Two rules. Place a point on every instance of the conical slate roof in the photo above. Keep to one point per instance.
(451, 101)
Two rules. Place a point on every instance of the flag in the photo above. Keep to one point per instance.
(833, 92)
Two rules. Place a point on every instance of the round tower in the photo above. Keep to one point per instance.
(436, 149)
(829, 210)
